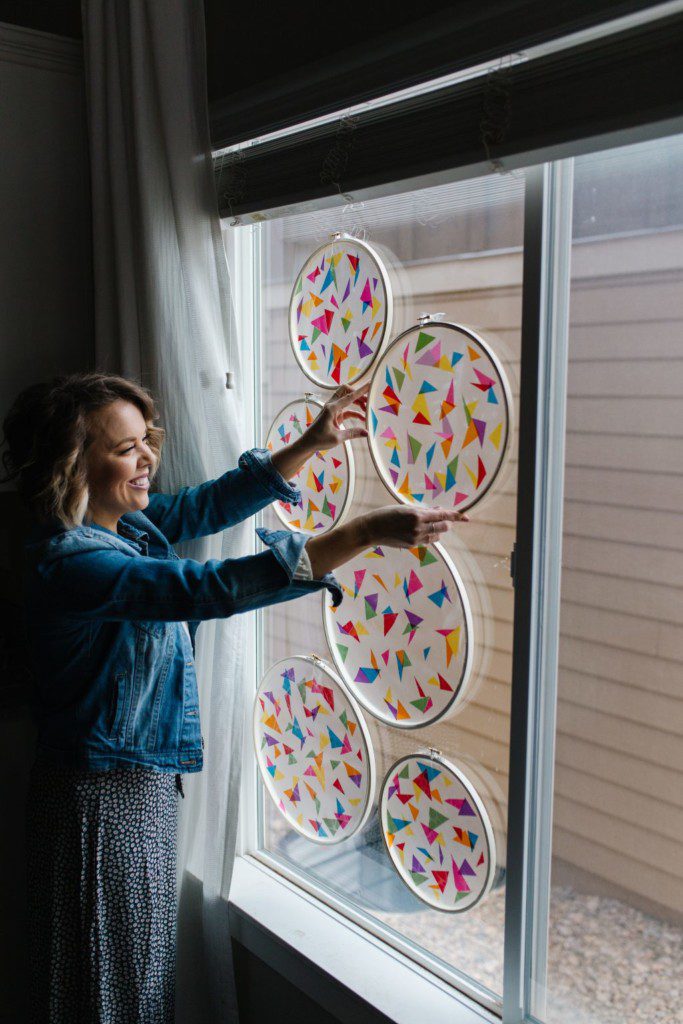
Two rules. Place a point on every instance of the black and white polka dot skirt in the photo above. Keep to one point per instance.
(102, 895)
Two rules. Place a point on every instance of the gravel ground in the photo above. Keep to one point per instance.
(607, 963)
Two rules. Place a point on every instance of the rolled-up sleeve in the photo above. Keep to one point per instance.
(104, 583)
(288, 548)
(219, 504)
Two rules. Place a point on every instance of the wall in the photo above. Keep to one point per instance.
(45, 328)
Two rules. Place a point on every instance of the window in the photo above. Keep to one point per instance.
(616, 903)
(596, 935)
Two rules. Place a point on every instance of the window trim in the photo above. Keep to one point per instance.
(381, 975)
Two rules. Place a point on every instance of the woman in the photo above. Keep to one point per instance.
(111, 618)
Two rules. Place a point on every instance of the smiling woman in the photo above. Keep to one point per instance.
(119, 467)
(111, 614)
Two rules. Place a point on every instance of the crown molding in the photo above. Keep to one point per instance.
(44, 50)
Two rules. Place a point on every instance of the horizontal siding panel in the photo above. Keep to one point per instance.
(653, 675)
(629, 525)
(629, 561)
(637, 705)
(630, 838)
(650, 600)
(613, 865)
(619, 801)
(627, 416)
(632, 455)
(619, 767)
(638, 340)
(619, 734)
(628, 632)
(633, 301)
(654, 378)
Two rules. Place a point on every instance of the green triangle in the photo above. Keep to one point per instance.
(334, 764)
(427, 557)
(420, 704)
(292, 759)
(345, 325)
(344, 720)
(436, 818)
(415, 446)
(467, 412)
(302, 692)
(453, 466)
(460, 896)
(418, 877)
(370, 612)
(332, 824)
(317, 806)
(315, 335)
(343, 651)
(400, 377)
(326, 507)
(288, 727)
(404, 773)
(423, 340)
(299, 286)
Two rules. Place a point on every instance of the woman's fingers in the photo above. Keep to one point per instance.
(351, 433)
(345, 395)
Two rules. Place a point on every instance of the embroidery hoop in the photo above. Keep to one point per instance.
(443, 764)
(319, 666)
(340, 239)
(378, 380)
(460, 689)
(347, 455)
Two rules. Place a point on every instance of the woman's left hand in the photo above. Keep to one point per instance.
(334, 423)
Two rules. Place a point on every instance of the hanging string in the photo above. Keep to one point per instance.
(496, 115)
(336, 160)
(232, 187)
(333, 169)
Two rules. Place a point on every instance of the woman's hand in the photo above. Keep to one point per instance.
(333, 425)
(396, 526)
(405, 526)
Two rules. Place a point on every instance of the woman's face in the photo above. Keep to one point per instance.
(118, 463)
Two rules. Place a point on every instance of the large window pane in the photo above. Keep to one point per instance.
(616, 936)
(458, 250)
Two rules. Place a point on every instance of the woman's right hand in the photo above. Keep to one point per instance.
(406, 526)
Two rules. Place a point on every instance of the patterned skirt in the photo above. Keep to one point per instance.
(102, 895)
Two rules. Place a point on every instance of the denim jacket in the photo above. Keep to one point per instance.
(114, 666)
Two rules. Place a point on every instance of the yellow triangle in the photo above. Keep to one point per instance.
(494, 436)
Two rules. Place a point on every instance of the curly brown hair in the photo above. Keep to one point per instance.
(48, 431)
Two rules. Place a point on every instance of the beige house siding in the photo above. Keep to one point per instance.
(618, 810)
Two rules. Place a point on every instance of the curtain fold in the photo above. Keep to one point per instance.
(164, 316)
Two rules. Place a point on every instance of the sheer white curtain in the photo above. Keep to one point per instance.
(164, 315)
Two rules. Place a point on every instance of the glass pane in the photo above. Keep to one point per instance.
(455, 249)
(616, 915)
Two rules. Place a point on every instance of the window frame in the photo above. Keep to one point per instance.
(542, 414)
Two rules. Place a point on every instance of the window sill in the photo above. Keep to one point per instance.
(380, 976)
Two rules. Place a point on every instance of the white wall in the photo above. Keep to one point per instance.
(45, 328)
